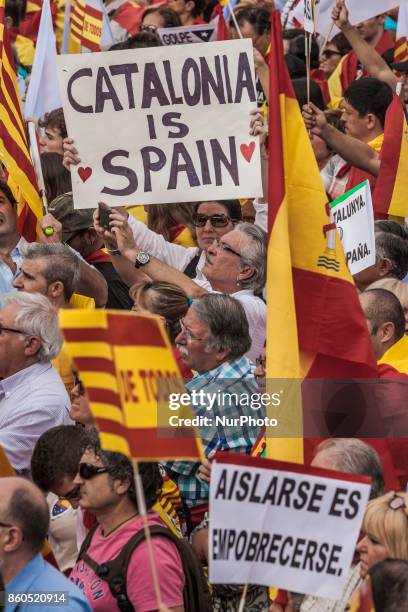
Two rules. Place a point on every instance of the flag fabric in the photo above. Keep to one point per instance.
(14, 153)
(394, 362)
(390, 193)
(228, 5)
(126, 19)
(218, 19)
(87, 26)
(401, 43)
(348, 70)
(315, 325)
(43, 89)
(121, 358)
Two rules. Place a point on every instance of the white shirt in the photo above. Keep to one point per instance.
(31, 402)
(255, 310)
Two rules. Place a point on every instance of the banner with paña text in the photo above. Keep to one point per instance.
(354, 218)
(284, 524)
(163, 124)
(127, 366)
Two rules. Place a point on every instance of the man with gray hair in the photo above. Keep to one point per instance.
(213, 340)
(50, 269)
(234, 264)
(32, 395)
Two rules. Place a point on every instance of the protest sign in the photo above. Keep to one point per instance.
(354, 218)
(308, 22)
(128, 369)
(161, 124)
(283, 524)
(188, 34)
(359, 11)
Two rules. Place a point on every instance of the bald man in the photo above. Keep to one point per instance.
(24, 521)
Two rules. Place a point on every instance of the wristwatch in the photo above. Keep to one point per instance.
(142, 258)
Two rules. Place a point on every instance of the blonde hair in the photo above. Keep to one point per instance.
(388, 525)
(398, 287)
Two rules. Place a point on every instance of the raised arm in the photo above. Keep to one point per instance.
(372, 61)
(353, 151)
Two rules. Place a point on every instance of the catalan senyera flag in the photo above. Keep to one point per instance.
(315, 325)
(127, 366)
(88, 26)
(390, 193)
(14, 153)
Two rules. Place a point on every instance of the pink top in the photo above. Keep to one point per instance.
(139, 582)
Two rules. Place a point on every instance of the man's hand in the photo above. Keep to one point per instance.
(204, 471)
(71, 157)
(257, 125)
(340, 15)
(122, 232)
(48, 223)
(315, 119)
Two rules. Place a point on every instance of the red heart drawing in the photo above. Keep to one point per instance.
(247, 151)
(84, 173)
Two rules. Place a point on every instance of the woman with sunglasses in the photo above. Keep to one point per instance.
(337, 48)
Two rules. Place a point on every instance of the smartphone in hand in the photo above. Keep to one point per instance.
(104, 216)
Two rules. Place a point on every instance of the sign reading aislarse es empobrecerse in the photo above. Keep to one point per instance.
(283, 524)
(162, 124)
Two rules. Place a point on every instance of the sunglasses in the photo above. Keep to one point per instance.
(148, 28)
(88, 470)
(215, 220)
(327, 53)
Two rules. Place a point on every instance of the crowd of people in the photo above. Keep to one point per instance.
(72, 522)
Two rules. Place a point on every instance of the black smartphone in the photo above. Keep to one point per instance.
(78, 381)
(104, 215)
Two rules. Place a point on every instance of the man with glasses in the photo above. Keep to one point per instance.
(107, 489)
(24, 522)
(32, 395)
(213, 342)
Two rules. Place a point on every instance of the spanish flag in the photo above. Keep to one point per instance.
(14, 154)
(315, 325)
(394, 362)
(348, 70)
(390, 193)
(127, 366)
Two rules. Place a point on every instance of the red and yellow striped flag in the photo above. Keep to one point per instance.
(127, 366)
(315, 325)
(86, 24)
(14, 154)
(390, 193)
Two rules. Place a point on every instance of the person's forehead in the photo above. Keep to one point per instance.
(89, 456)
(212, 208)
(4, 199)
(191, 320)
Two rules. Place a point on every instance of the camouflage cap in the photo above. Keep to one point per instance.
(72, 220)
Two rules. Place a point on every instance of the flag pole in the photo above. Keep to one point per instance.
(141, 505)
(242, 600)
(327, 38)
(234, 19)
(35, 156)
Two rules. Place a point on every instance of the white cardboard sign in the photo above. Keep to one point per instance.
(188, 34)
(283, 524)
(354, 217)
(165, 124)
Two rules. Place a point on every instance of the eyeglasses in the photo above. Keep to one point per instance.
(10, 329)
(5, 524)
(187, 332)
(327, 53)
(215, 220)
(88, 470)
(226, 247)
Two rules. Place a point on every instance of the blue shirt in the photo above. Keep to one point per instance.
(31, 402)
(39, 576)
(6, 275)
